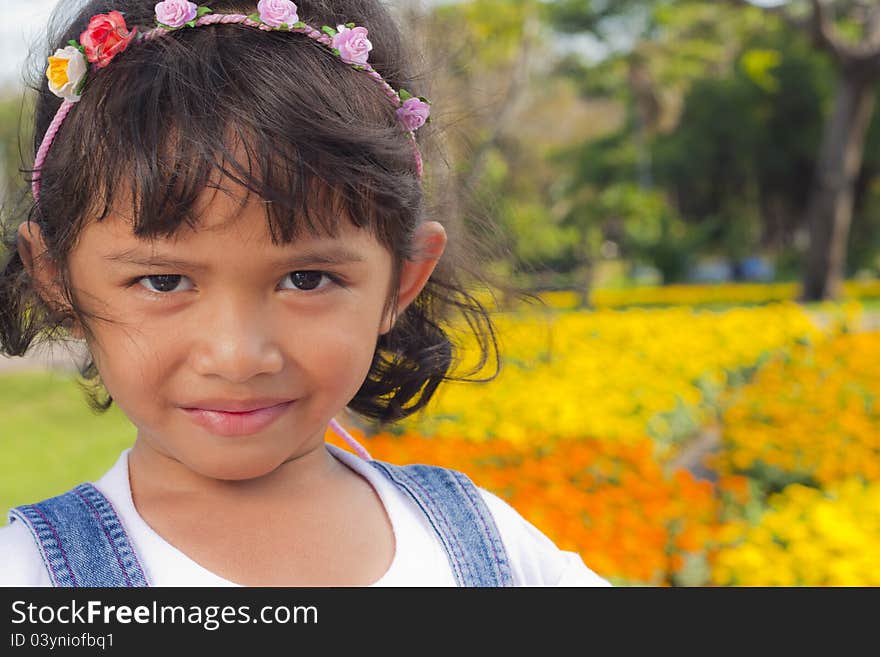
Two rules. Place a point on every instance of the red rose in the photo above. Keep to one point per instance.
(105, 37)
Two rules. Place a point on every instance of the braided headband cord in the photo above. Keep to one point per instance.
(321, 37)
(48, 138)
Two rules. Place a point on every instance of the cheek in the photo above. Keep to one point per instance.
(132, 361)
(340, 355)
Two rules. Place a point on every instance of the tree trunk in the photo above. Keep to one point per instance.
(829, 212)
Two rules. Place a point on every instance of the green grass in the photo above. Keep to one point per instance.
(50, 440)
(870, 304)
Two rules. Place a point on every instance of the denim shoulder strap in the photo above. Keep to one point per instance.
(460, 519)
(81, 540)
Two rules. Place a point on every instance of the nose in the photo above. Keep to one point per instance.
(237, 343)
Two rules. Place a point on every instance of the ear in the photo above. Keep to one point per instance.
(429, 243)
(41, 267)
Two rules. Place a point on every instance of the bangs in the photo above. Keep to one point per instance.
(272, 113)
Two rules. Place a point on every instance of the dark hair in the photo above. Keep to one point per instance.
(313, 132)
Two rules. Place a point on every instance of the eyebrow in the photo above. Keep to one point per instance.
(333, 256)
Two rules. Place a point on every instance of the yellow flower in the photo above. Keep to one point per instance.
(615, 374)
(807, 537)
(67, 68)
(810, 412)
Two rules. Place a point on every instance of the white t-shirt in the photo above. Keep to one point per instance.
(419, 557)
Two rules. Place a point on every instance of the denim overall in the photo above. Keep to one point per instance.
(83, 543)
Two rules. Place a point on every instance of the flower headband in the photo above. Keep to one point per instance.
(107, 35)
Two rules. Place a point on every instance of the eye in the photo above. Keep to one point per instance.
(162, 283)
(304, 281)
(307, 281)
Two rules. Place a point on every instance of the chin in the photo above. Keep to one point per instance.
(238, 468)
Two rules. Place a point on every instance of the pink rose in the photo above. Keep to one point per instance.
(352, 43)
(277, 12)
(176, 13)
(413, 113)
(105, 37)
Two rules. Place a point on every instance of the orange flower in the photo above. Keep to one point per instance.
(737, 485)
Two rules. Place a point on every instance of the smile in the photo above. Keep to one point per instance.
(229, 423)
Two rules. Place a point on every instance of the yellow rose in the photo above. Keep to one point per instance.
(67, 68)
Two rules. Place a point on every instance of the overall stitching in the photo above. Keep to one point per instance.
(499, 570)
(457, 561)
(491, 536)
(109, 516)
(106, 533)
(18, 514)
(499, 563)
(465, 562)
(60, 547)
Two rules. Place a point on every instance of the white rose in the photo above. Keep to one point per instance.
(67, 68)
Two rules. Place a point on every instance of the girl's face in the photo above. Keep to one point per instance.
(220, 316)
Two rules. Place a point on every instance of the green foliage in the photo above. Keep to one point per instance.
(748, 141)
(758, 65)
(13, 111)
(597, 80)
(770, 479)
(740, 155)
(649, 229)
(489, 31)
(604, 161)
(537, 239)
(864, 238)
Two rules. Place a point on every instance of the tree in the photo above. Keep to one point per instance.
(655, 51)
(848, 31)
(501, 111)
(743, 150)
(11, 111)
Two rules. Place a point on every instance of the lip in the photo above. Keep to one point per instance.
(237, 423)
(235, 405)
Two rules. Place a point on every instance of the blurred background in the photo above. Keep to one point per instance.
(693, 190)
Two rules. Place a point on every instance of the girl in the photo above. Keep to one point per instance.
(228, 210)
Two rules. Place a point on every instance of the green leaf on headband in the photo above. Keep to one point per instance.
(298, 25)
(255, 18)
(424, 100)
(359, 67)
(166, 27)
(190, 24)
(77, 45)
(404, 94)
(329, 30)
(82, 83)
(349, 25)
(284, 26)
(201, 11)
(336, 52)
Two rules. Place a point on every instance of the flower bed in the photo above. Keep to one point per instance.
(621, 375)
